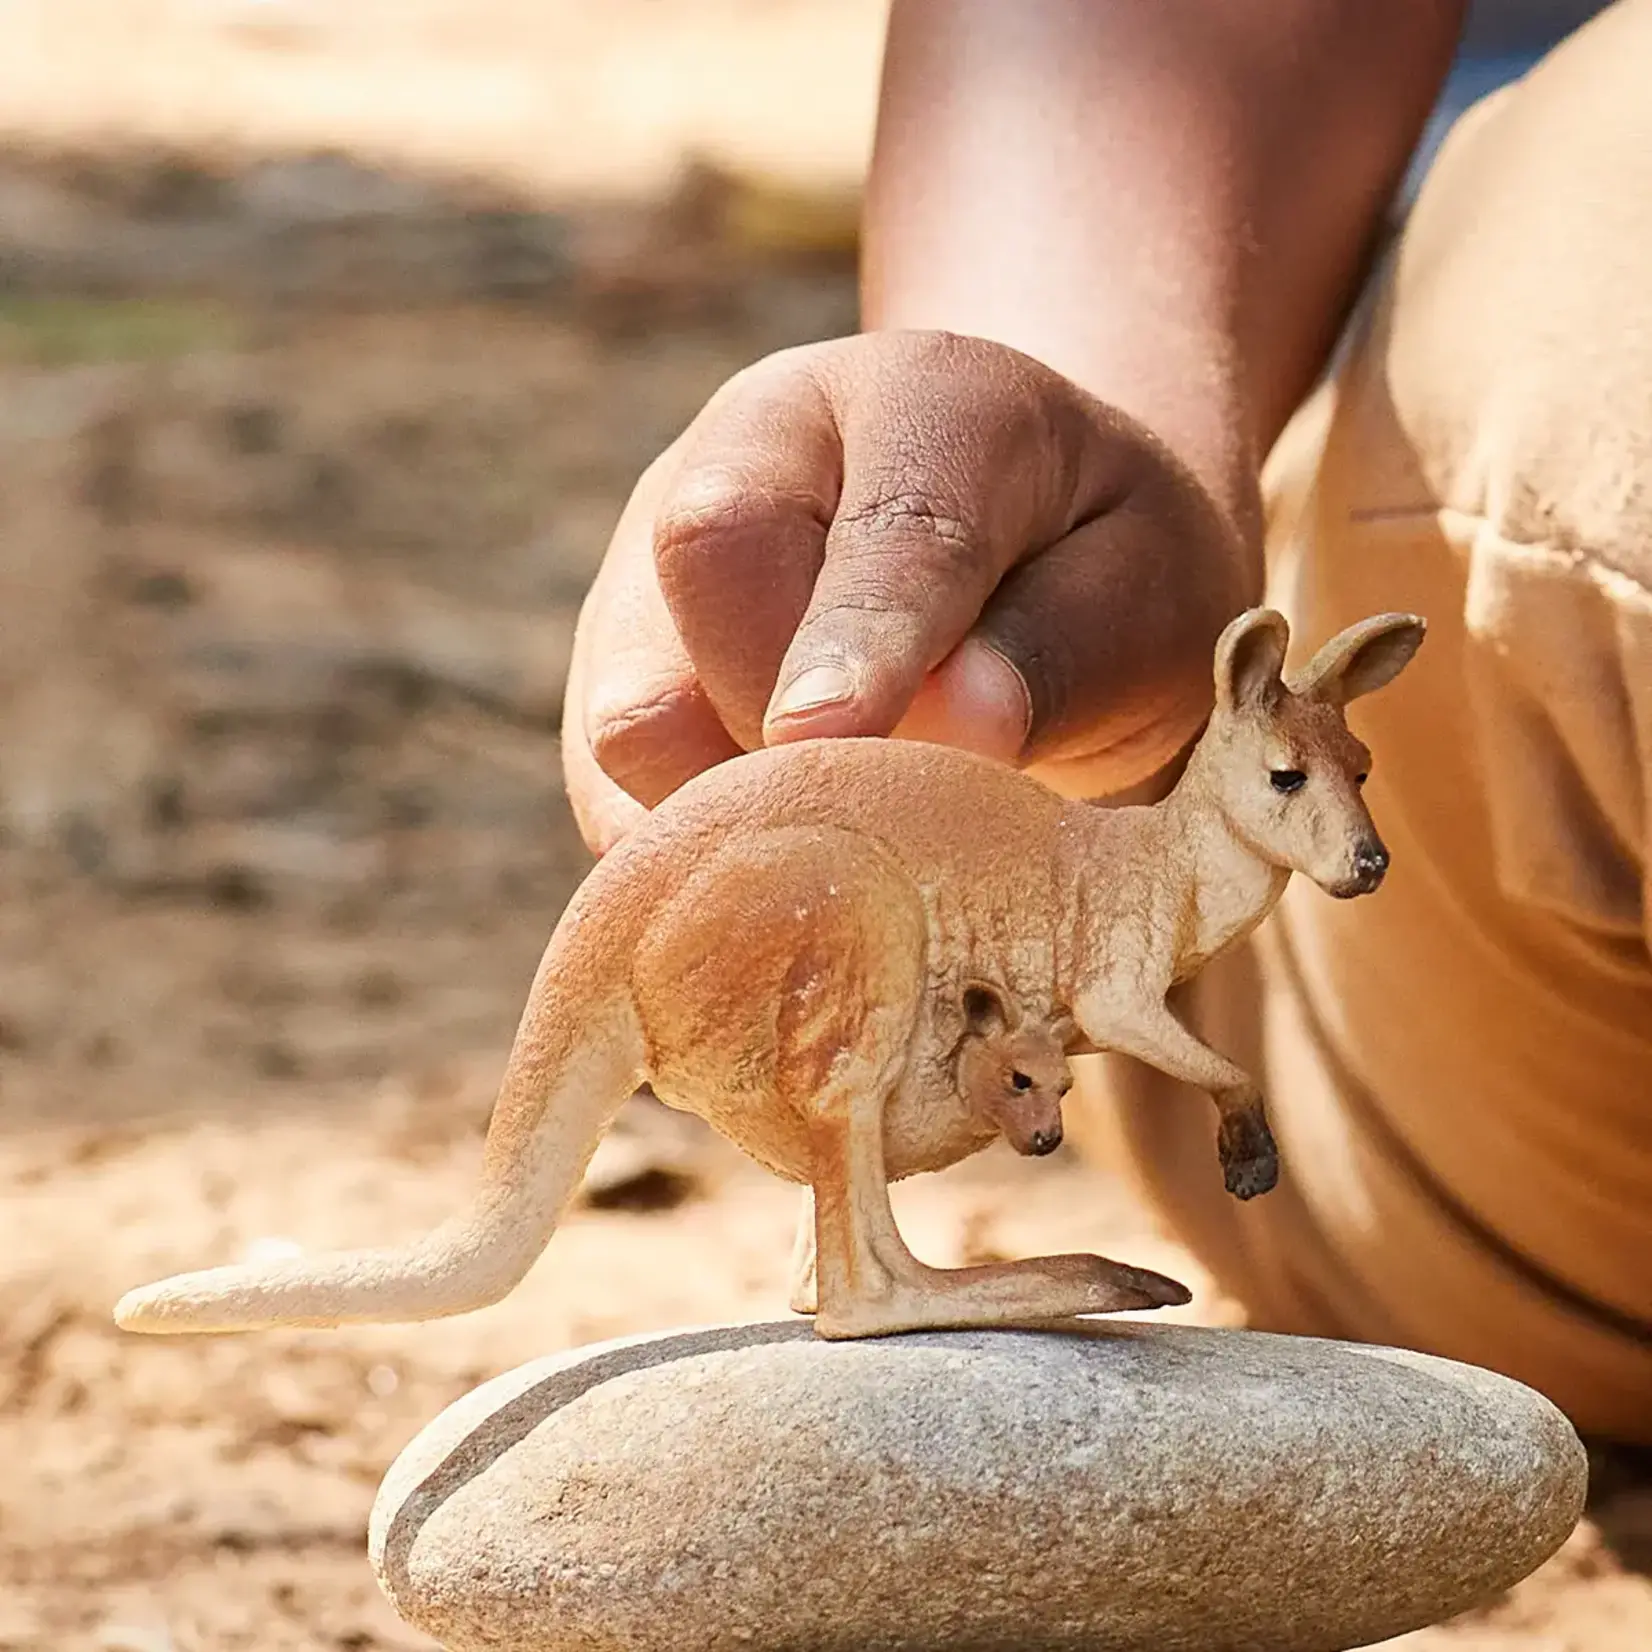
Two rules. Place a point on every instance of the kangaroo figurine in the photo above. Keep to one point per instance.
(787, 947)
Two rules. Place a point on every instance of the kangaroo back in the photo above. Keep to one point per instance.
(578, 1055)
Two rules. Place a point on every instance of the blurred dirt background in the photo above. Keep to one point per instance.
(330, 346)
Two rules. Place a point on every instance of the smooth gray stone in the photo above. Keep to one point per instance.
(1115, 1486)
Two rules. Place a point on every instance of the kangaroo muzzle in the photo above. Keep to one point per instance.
(1370, 866)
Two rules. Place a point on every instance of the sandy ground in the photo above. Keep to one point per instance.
(286, 584)
(568, 97)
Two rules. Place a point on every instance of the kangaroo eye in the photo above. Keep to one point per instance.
(1287, 780)
(1021, 1081)
(1361, 778)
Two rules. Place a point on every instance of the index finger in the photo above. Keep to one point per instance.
(740, 533)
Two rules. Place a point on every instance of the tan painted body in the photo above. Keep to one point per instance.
(790, 946)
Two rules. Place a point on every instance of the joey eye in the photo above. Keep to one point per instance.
(1021, 1081)
(1361, 778)
(1287, 780)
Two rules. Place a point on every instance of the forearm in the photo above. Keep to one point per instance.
(1167, 200)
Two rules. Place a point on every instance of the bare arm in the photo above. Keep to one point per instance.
(1166, 200)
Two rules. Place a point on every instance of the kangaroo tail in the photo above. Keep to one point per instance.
(572, 1068)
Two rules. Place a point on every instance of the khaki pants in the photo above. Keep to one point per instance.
(1460, 1067)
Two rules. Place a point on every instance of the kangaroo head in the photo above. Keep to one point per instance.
(1283, 765)
(1012, 1071)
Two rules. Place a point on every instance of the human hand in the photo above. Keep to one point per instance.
(915, 534)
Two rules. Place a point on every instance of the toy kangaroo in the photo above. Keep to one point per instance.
(786, 947)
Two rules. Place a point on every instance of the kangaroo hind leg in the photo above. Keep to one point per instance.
(844, 1051)
(870, 1284)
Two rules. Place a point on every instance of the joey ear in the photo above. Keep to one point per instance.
(1362, 659)
(985, 1011)
(1250, 654)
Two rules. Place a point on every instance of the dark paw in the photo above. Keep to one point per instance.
(1246, 1178)
(1250, 1161)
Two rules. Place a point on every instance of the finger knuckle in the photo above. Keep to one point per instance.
(627, 734)
(711, 510)
(701, 509)
(915, 519)
(872, 598)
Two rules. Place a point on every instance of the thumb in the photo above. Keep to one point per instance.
(1110, 634)
(975, 700)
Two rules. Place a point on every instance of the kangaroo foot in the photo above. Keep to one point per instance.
(1250, 1160)
(805, 1298)
(1050, 1287)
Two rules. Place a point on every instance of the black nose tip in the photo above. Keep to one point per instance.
(1044, 1141)
(1370, 863)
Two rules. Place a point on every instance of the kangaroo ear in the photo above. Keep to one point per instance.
(985, 1011)
(1365, 657)
(1250, 655)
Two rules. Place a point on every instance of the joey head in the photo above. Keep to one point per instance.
(1012, 1070)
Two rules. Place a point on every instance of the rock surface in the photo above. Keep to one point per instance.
(1111, 1487)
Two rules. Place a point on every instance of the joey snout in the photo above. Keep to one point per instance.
(1034, 1133)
